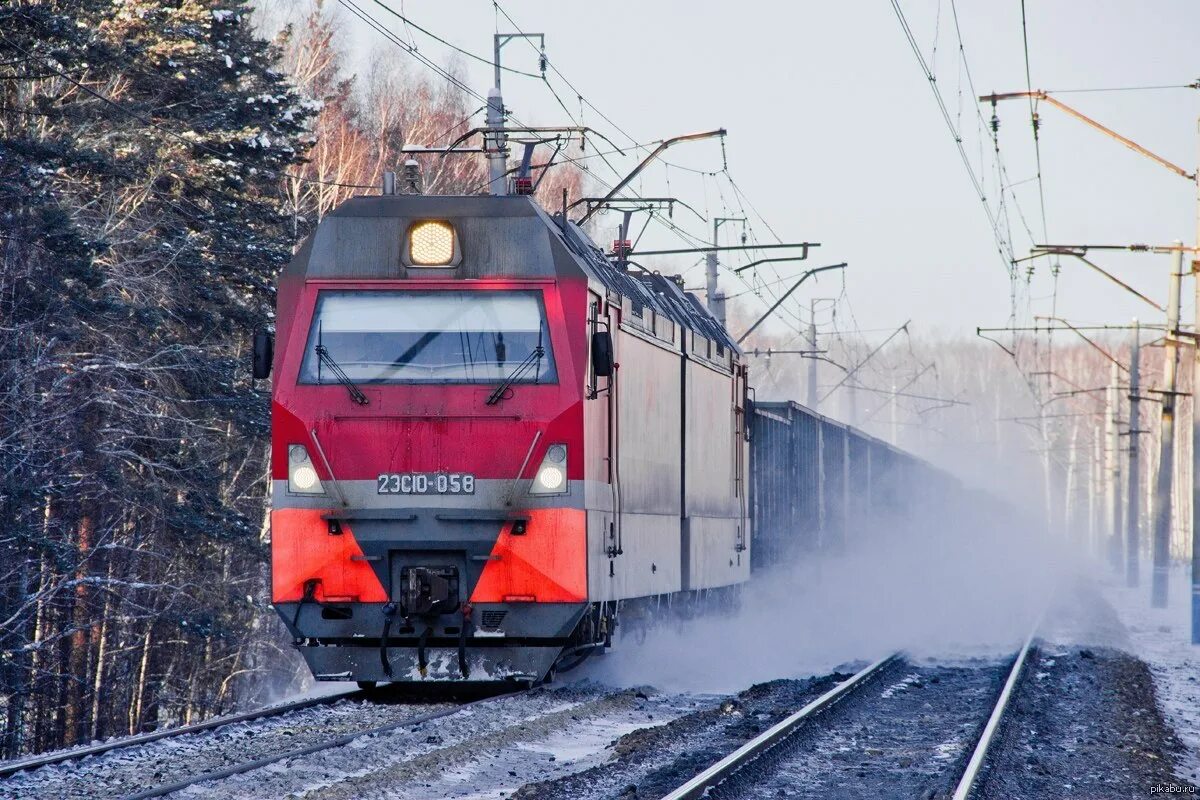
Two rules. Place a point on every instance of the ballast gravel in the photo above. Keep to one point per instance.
(1084, 724)
(649, 762)
(1087, 721)
(129, 770)
(486, 750)
(908, 734)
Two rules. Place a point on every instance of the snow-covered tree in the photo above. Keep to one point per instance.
(143, 145)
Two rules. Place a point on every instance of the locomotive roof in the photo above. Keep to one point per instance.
(362, 237)
(651, 289)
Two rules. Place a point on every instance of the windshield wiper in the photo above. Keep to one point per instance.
(356, 394)
(498, 393)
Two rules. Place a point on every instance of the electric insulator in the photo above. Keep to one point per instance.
(995, 124)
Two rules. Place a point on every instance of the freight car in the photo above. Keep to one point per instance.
(488, 436)
(815, 483)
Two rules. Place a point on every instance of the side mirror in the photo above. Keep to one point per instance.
(264, 354)
(602, 354)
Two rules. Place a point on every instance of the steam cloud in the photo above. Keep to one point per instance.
(945, 582)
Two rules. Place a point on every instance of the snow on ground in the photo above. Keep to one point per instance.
(1162, 638)
(482, 752)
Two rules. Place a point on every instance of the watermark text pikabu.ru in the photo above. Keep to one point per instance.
(1172, 788)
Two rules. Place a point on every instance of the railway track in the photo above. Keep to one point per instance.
(745, 771)
(8, 768)
(503, 744)
(971, 775)
(146, 766)
(888, 695)
(328, 744)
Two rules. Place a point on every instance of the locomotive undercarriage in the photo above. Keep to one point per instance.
(494, 645)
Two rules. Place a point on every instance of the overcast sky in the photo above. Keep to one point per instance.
(835, 136)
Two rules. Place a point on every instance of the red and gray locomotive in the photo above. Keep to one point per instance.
(489, 438)
(486, 437)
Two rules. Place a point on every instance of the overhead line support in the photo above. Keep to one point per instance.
(787, 294)
(850, 374)
(1075, 253)
(1132, 145)
(684, 250)
(662, 147)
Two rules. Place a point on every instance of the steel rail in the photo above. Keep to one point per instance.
(701, 783)
(337, 741)
(12, 767)
(971, 774)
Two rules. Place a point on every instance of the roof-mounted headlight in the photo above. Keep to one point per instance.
(432, 243)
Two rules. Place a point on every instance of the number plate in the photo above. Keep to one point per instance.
(425, 483)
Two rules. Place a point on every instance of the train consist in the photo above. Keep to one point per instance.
(816, 482)
(489, 438)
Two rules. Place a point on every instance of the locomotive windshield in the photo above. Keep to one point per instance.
(429, 337)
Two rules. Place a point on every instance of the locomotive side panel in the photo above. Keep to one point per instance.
(599, 491)
(711, 445)
(646, 472)
(713, 528)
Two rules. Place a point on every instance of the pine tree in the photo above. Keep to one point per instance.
(142, 147)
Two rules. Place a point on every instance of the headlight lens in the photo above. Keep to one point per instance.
(551, 476)
(302, 476)
(431, 244)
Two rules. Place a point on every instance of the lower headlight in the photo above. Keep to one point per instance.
(302, 476)
(551, 477)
